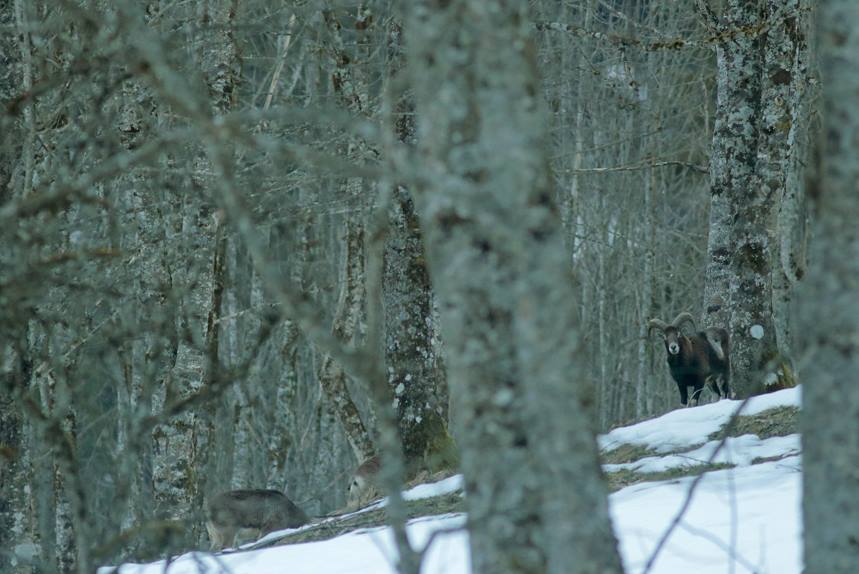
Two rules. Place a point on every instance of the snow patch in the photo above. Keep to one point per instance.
(754, 508)
(739, 451)
(688, 427)
(370, 551)
(446, 486)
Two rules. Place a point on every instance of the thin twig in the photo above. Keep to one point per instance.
(692, 487)
(280, 63)
(719, 32)
(732, 487)
(716, 541)
(435, 534)
(640, 166)
(711, 21)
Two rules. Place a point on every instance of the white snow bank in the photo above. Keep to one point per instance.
(740, 451)
(688, 427)
(441, 487)
(360, 552)
(445, 486)
(755, 509)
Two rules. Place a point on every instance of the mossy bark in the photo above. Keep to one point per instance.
(752, 161)
(415, 370)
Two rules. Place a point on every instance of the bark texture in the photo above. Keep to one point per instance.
(410, 354)
(754, 140)
(18, 544)
(495, 248)
(347, 319)
(415, 371)
(782, 157)
(183, 443)
(349, 88)
(830, 415)
(732, 170)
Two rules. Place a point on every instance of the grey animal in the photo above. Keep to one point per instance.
(253, 512)
(364, 485)
(696, 359)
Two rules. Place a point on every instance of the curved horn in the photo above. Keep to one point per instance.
(681, 318)
(655, 324)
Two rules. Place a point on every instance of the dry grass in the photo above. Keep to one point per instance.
(780, 421)
(626, 453)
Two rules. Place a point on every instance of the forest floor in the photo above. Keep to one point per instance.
(449, 500)
(624, 465)
(627, 464)
(745, 508)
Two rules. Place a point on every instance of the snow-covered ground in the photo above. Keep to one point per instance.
(361, 552)
(754, 510)
(691, 426)
(749, 514)
(739, 451)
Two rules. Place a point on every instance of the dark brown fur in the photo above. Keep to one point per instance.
(700, 358)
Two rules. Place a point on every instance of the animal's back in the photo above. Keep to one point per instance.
(255, 508)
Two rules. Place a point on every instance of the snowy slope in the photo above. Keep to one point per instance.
(758, 506)
(691, 426)
(753, 508)
(363, 552)
(740, 451)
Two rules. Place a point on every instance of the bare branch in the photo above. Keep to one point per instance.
(640, 166)
(687, 502)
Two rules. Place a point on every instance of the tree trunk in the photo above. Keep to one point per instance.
(747, 169)
(349, 315)
(350, 309)
(18, 535)
(732, 158)
(784, 98)
(184, 441)
(414, 368)
(410, 356)
(19, 543)
(830, 415)
(496, 253)
(643, 372)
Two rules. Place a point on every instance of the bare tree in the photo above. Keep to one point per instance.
(628, 85)
(412, 360)
(496, 253)
(17, 544)
(204, 205)
(830, 417)
(759, 60)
